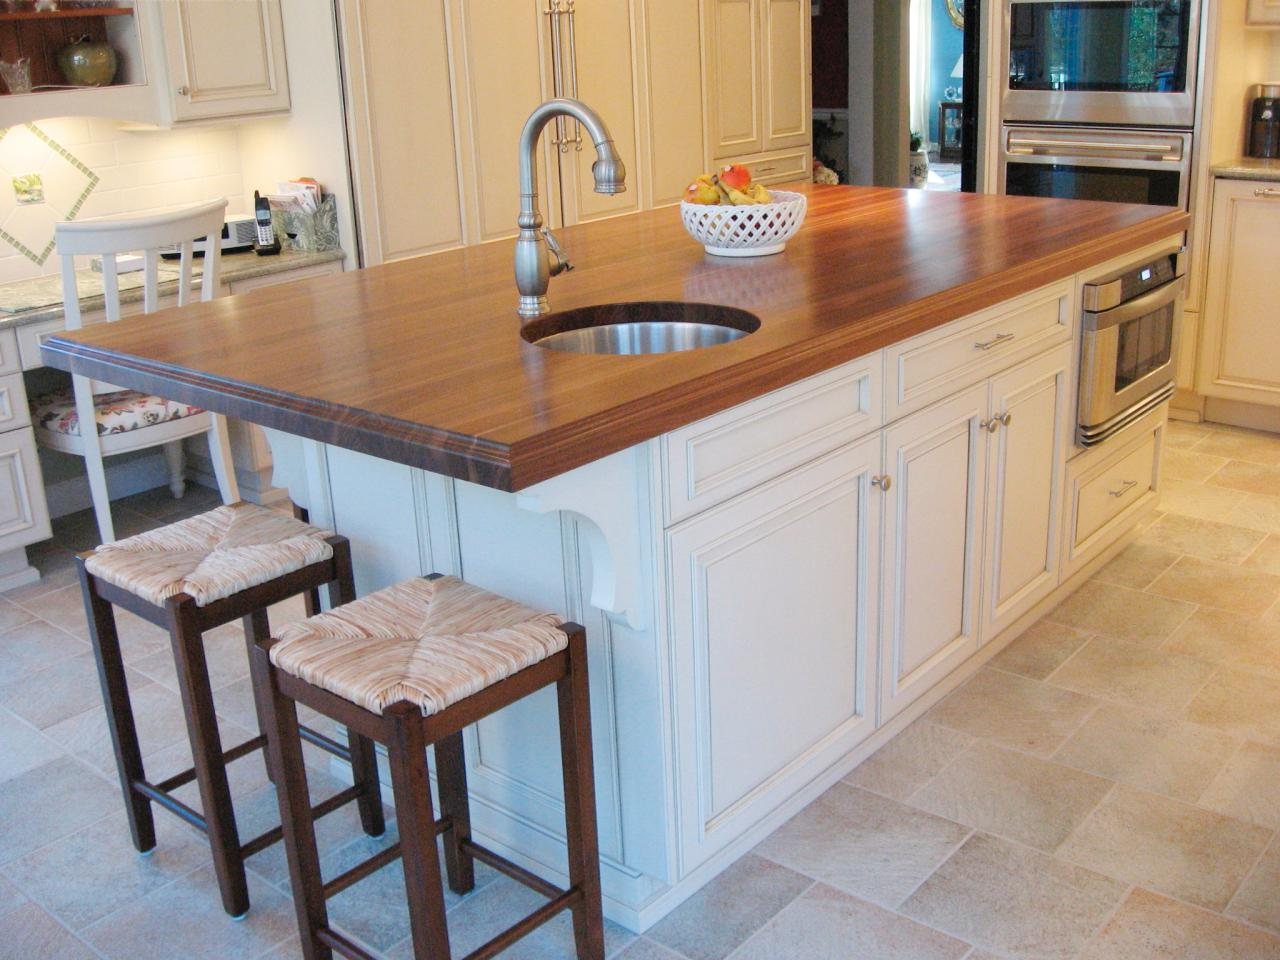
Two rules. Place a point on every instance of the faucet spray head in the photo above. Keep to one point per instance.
(609, 171)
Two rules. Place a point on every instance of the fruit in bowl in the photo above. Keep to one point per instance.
(733, 216)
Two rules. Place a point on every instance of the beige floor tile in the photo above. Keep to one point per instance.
(31, 647)
(1121, 613)
(863, 843)
(1238, 444)
(1207, 539)
(1040, 650)
(29, 932)
(1181, 434)
(1014, 901)
(1260, 513)
(1151, 927)
(61, 691)
(1168, 846)
(1257, 900)
(1263, 479)
(1013, 711)
(643, 949)
(1226, 586)
(1248, 787)
(1148, 750)
(22, 746)
(714, 921)
(826, 924)
(906, 762)
(1193, 499)
(1239, 702)
(12, 615)
(64, 608)
(1137, 564)
(1183, 464)
(1267, 555)
(1223, 637)
(1012, 795)
(50, 801)
(1134, 674)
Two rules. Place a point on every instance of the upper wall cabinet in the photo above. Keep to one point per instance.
(1263, 13)
(224, 58)
(177, 60)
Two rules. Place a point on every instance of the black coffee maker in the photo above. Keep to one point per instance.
(1264, 120)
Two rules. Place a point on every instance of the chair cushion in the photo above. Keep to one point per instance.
(118, 412)
(430, 642)
(210, 556)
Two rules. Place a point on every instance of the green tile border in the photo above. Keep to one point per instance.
(39, 258)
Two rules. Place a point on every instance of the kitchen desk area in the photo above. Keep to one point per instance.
(784, 548)
(31, 312)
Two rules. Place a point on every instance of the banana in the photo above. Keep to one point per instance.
(738, 198)
(758, 193)
(725, 192)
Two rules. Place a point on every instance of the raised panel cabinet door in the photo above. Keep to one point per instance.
(772, 620)
(731, 82)
(1026, 455)
(673, 98)
(935, 462)
(226, 57)
(1240, 343)
(401, 127)
(24, 515)
(599, 66)
(786, 73)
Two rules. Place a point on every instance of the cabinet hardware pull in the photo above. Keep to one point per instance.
(571, 19)
(1125, 487)
(184, 90)
(1271, 193)
(998, 339)
(991, 426)
(557, 81)
(764, 170)
(1006, 418)
(884, 482)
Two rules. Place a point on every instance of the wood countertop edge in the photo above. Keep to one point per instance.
(512, 467)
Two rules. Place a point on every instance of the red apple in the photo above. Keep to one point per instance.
(736, 175)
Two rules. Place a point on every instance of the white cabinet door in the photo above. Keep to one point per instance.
(672, 72)
(1025, 457)
(731, 61)
(226, 57)
(1240, 345)
(786, 66)
(24, 515)
(936, 464)
(772, 621)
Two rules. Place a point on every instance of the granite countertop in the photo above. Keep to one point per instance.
(40, 298)
(1248, 168)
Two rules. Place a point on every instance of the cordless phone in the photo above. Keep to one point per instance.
(265, 241)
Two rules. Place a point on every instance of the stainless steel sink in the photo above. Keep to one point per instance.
(658, 326)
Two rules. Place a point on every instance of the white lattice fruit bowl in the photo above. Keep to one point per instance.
(756, 230)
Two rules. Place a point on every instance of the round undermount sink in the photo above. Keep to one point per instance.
(657, 326)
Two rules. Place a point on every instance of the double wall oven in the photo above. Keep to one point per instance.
(1100, 99)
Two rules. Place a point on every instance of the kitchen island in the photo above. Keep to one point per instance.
(784, 548)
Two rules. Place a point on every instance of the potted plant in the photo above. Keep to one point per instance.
(918, 164)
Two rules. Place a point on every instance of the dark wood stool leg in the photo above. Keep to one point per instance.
(206, 752)
(257, 629)
(285, 747)
(407, 752)
(364, 773)
(115, 698)
(451, 776)
(580, 798)
(311, 599)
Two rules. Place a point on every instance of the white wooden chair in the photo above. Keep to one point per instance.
(129, 419)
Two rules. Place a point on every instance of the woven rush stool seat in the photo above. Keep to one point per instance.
(410, 666)
(230, 563)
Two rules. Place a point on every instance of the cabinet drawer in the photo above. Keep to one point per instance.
(936, 364)
(1109, 484)
(24, 515)
(777, 167)
(32, 335)
(14, 412)
(9, 358)
(711, 460)
(287, 276)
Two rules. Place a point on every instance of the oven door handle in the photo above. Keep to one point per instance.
(1149, 302)
(1027, 146)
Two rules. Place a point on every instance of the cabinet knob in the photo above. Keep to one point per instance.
(992, 425)
(1006, 418)
(884, 482)
(183, 90)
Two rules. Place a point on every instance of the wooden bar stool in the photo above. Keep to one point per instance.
(230, 563)
(411, 666)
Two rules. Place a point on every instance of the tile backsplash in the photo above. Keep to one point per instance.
(93, 168)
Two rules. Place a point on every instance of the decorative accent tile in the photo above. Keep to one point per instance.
(49, 185)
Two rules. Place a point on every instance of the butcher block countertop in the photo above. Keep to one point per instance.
(421, 361)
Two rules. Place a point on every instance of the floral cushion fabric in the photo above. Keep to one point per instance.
(118, 412)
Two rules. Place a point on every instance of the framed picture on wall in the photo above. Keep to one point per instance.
(950, 121)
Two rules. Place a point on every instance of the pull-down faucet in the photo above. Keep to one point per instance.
(538, 261)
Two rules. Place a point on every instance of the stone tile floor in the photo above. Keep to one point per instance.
(1106, 788)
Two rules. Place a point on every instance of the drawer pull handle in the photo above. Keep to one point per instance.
(992, 425)
(1270, 193)
(884, 482)
(763, 170)
(1125, 487)
(995, 341)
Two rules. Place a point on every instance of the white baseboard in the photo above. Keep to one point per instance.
(124, 478)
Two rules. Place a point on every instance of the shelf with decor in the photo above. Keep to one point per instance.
(71, 47)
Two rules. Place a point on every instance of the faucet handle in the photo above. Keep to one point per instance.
(559, 261)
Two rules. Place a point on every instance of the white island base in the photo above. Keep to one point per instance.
(770, 593)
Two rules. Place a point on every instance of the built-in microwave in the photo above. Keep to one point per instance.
(1116, 62)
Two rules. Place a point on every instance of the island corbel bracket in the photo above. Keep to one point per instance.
(606, 494)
